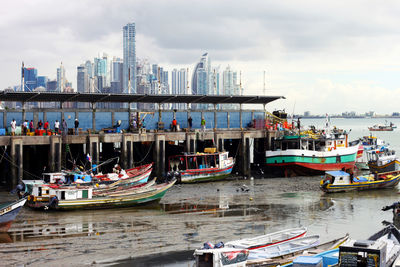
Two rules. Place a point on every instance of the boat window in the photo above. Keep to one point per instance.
(224, 156)
(46, 178)
(192, 163)
(212, 161)
(293, 145)
(62, 194)
(40, 191)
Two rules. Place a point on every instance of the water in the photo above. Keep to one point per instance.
(166, 234)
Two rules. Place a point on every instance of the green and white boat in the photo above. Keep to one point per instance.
(312, 152)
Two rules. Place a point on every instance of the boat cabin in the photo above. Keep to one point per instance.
(381, 157)
(62, 193)
(199, 161)
(317, 143)
(364, 253)
(336, 177)
(219, 257)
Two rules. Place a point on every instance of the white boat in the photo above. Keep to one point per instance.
(383, 160)
(284, 248)
(268, 239)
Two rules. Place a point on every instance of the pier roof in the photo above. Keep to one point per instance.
(132, 98)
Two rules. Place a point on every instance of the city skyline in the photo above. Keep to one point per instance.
(311, 52)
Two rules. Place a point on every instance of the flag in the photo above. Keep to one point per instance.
(88, 158)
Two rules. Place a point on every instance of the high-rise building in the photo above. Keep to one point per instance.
(230, 83)
(42, 81)
(30, 79)
(117, 75)
(129, 78)
(82, 79)
(61, 78)
(51, 85)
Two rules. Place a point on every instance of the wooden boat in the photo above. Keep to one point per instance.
(340, 181)
(383, 160)
(288, 258)
(390, 237)
(281, 249)
(200, 167)
(240, 257)
(312, 152)
(67, 198)
(8, 212)
(268, 239)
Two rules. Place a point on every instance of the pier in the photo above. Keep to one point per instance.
(22, 157)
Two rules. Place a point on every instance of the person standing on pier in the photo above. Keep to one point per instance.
(40, 125)
(174, 122)
(64, 127)
(190, 121)
(203, 124)
(56, 126)
(31, 126)
(76, 126)
(13, 126)
(25, 127)
(46, 125)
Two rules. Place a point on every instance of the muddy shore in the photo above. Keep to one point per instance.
(186, 217)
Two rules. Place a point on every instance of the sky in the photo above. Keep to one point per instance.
(322, 56)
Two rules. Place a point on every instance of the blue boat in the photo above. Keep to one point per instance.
(8, 212)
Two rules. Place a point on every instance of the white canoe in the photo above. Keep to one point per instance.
(268, 239)
(285, 248)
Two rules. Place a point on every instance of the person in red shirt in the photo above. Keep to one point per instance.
(174, 123)
(46, 125)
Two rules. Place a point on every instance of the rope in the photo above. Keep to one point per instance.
(137, 162)
(15, 165)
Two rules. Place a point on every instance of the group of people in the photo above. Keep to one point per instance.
(29, 127)
(174, 124)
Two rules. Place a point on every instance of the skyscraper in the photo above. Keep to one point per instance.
(42, 81)
(129, 33)
(230, 84)
(82, 79)
(61, 78)
(30, 76)
(201, 79)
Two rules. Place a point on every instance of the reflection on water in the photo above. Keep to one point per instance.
(190, 215)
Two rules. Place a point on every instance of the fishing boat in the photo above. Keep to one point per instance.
(371, 142)
(268, 239)
(200, 167)
(281, 249)
(340, 181)
(378, 127)
(8, 212)
(211, 256)
(383, 160)
(68, 198)
(133, 176)
(312, 152)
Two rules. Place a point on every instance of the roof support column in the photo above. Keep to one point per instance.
(215, 117)
(240, 118)
(23, 113)
(94, 117)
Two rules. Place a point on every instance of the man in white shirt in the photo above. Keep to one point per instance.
(13, 126)
(56, 126)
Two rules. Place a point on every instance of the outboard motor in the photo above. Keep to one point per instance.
(178, 177)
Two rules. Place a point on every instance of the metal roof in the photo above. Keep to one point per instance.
(132, 98)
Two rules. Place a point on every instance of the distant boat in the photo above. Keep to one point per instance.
(378, 127)
(8, 212)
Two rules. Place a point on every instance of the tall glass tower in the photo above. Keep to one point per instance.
(129, 76)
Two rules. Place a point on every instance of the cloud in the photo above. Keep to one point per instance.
(303, 46)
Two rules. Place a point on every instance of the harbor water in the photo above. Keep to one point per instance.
(166, 233)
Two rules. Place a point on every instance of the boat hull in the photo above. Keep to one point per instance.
(8, 214)
(205, 175)
(309, 162)
(388, 167)
(355, 186)
(153, 194)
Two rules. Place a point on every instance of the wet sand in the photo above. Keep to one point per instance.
(186, 217)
